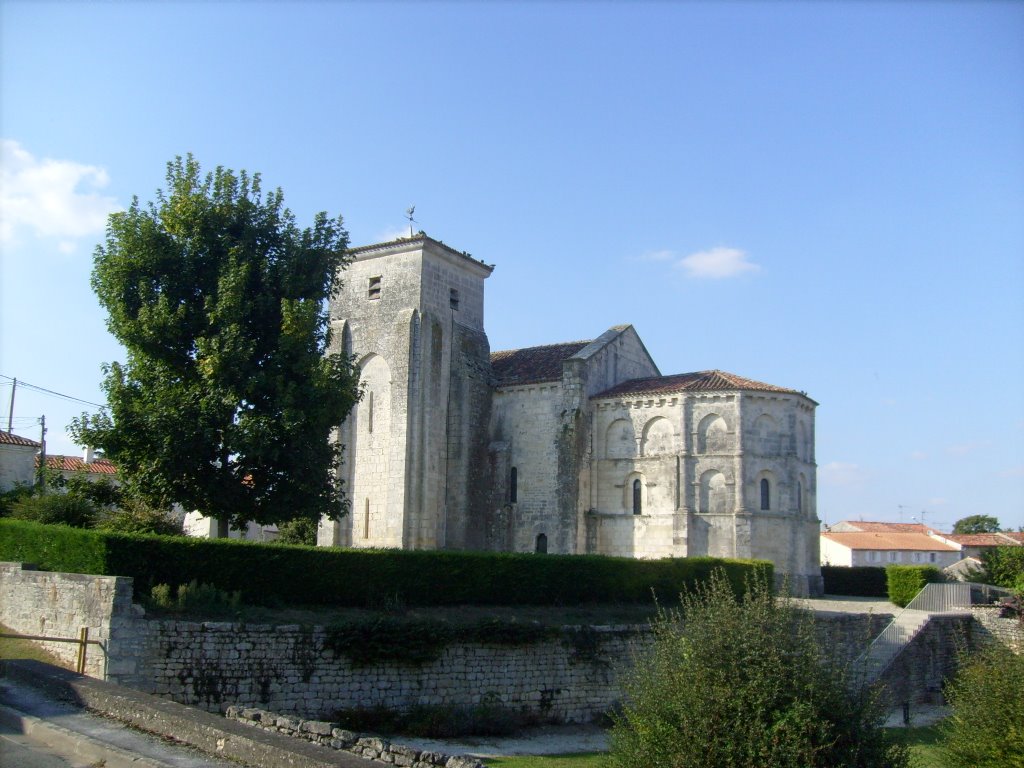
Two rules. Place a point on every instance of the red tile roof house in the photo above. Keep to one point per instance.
(95, 468)
(880, 548)
(975, 544)
(17, 460)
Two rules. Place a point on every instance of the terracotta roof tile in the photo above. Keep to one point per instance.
(863, 540)
(1017, 536)
(874, 527)
(983, 539)
(77, 464)
(700, 381)
(7, 438)
(532, 365)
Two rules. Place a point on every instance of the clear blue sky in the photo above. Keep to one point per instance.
(824, 196)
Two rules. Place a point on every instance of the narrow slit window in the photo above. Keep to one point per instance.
(637, 498)
(374, 289)
(513, 486)
(369, 413)
(366, 519)
(765, 494)
(453, 298)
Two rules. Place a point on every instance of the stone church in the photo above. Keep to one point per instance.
(575, 447)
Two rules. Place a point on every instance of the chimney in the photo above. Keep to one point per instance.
(89, 456)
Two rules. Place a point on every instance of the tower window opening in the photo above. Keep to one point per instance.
(374, 289)
(637, 497)
(765, 494)
(453, 298)
(513, 486)
(366, 518)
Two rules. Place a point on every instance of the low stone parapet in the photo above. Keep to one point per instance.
(334, 736)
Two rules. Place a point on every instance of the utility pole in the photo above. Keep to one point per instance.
(10, 411)
(42, 450)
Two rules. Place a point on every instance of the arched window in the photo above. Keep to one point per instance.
(513, 485)
(765, 494)
(542, 544)
(637, 500)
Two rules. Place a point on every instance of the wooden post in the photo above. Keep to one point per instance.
(83, 643)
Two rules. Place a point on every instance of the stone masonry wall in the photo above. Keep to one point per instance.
(1009, 632)
(59, 604)
(291, 670)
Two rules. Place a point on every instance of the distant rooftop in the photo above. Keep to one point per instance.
(8, 438)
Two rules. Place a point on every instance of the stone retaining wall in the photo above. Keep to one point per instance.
(1009, 632)
(292, 671)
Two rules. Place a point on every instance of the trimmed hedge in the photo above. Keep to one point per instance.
(905, 581)
(279, 575)
(858, 581)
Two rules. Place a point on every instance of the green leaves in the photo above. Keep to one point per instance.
(223, 404)
(740, 680)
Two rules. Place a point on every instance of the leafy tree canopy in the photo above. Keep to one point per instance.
(227, 397)
(976, 524)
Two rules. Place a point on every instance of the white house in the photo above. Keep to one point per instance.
(881, 548)
(17, 460)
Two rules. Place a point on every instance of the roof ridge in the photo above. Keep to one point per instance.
(544, 346)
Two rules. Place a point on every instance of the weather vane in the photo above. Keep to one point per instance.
(408, 214)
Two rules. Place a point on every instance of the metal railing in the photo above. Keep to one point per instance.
(82, 640)
(933, 599)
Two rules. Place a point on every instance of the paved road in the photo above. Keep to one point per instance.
(17, 750)
(56, 735)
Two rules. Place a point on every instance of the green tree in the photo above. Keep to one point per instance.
(986, 729)
(1004, 567)
(976, 524)
(227, 396)
(742, 681)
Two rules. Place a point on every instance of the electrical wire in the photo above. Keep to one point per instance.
(45, 391)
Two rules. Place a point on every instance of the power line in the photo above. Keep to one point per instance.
(45, 391)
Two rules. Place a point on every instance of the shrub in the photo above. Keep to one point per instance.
(56, 509)
(195, 597)
(268, 575)
(905, 581)
(860, 581)
(986, 729)
(742, 682)
(135, 516)
(301, 530)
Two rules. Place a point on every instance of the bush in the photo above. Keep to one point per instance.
(195, 597)
(905, 581)
(986, 729)
(135, 516)
(859, 581)
(301, 530)
(743, 682)
(56, 509)
(271, 575)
